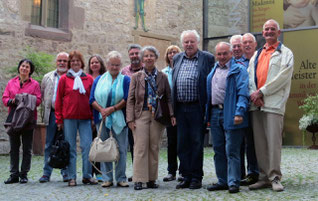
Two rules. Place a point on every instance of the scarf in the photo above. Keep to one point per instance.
(104, 87)
(78, 84)
(152, 96)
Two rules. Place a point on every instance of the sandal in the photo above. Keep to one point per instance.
(72, 182)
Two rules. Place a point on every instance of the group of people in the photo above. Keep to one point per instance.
(241, 96)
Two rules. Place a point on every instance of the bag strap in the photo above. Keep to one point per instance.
(100, 130)
(98, 170)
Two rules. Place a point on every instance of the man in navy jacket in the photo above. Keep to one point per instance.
(189, 99)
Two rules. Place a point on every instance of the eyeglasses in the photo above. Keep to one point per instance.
(61, 60)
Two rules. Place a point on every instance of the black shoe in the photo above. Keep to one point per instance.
(138, 186)
(195, 184)
(183, 184)
(23, 179)
(249, 180)
(169, 177)
(217, 187)
(152, 184)
(65, 178)
(129, 179)
(180, 178)
(234, 189)
(12, 180)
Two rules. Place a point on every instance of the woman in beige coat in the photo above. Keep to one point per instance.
(141, 106)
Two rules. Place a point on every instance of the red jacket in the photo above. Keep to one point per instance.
(70, 104)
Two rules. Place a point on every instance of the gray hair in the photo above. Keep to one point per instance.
(250, 35)
(272, 20)
(134, 46)
(112, 55)
(188, 32)
(61, 53)
(236, 37)
(223, 43)
(151, 49)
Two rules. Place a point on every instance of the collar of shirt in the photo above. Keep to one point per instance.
(226, 66)
(270, 47)
(196, 56)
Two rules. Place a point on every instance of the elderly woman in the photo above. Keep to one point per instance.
(108, 96)
(171, 130)
(73, 112)
(23, 83)
(141, 106)
(96, 67)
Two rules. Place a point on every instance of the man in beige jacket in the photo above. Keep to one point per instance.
(270, 71)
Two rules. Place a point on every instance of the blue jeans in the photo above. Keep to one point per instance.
(85, 132)
(49, 140)
(120, 169)
(226, 145)
(190, 140)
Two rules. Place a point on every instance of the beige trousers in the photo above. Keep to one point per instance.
(267, 129)
(147, 138)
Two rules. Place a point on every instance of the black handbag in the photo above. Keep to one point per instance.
(162, 113)
(60, 153)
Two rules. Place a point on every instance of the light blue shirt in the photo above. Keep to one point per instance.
(168, 72)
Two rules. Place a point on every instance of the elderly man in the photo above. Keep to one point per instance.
(270, 72)
(239, 45)
(49, 88)
(189, 99)
(237, 48)
(227, 106)
(249, 45)
(134, 66)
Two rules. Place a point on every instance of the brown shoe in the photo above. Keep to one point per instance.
(122, 184)
(259, 185)
(72, 182)
(90, 181)
(107, 184)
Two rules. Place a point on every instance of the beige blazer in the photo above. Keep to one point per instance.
(136, 94)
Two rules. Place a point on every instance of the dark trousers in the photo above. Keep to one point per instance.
(15, 142)
(190, 140)
(172, 150)
(131, 144)
(252, 166)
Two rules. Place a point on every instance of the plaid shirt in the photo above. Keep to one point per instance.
(187, 80)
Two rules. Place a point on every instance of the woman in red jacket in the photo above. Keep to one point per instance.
(23, 83)
(73, 112)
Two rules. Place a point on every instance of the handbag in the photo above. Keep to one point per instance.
(104, 151)
(60, 152)
(162, 113)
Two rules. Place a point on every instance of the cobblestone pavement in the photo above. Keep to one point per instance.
(299, 167)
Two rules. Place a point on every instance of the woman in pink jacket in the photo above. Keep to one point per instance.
(23, 83)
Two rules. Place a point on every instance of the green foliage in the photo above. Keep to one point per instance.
(310, 108)
(310, 105)
(42, 61)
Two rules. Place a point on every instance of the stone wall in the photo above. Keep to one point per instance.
(95, 26)
(226, 17)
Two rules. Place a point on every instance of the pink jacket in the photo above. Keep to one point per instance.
(13, 88)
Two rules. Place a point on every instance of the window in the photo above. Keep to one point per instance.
(45, 13)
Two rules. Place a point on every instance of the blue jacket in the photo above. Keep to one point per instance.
(205, 64)
(236, 100)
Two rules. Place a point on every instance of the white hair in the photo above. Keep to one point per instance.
(236, 37)
(224, 43)
(112, 55)
(250, 35)
(272, 20)
(61, 53)
(151, 49)
(188, 32)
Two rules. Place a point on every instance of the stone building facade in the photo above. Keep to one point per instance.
(92, 27)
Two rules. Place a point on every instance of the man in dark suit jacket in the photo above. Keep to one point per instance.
(189, 99)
